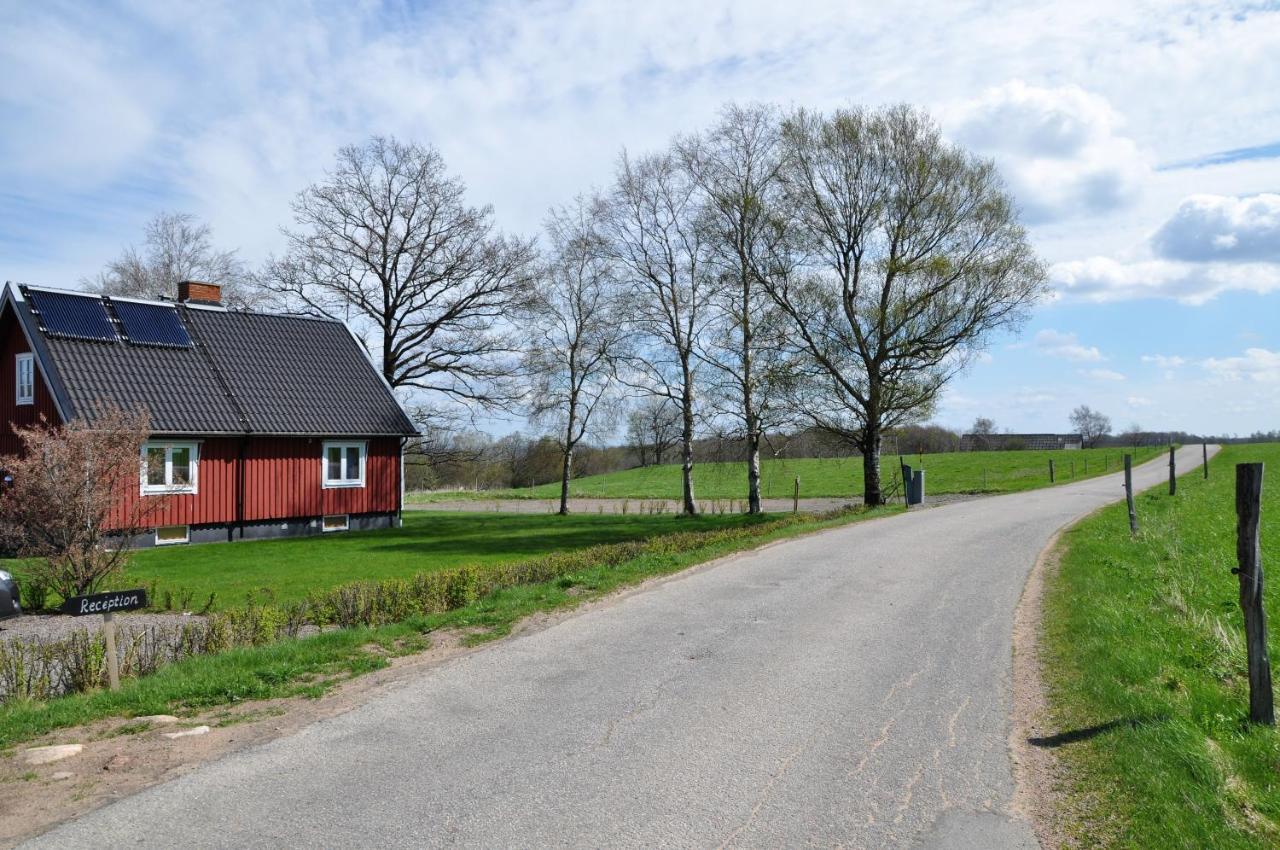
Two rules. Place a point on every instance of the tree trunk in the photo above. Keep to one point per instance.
(565, 473)
(753, 472)
(871, 494)
(749, 416)
(566, 468)
(686, 445)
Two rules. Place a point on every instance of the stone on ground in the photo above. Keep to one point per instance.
(187, 733)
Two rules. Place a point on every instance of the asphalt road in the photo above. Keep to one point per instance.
(847, 689)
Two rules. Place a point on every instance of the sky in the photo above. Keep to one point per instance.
(1141, 140)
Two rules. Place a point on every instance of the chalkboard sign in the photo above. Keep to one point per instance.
(105, 603)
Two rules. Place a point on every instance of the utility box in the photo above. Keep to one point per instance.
(913, 481)
(917, 487)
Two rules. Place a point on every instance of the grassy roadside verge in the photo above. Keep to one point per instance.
(1144, 662)
(309, 666)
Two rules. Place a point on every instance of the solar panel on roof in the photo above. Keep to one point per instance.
(73, 316)
(152, 324)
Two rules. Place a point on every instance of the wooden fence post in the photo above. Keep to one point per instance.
(795, 500)
(1173, 474)
(1073, 470)
(109, 638)
(1249, 571)
(1204, 448)
(1050, 470)
(1128, 493)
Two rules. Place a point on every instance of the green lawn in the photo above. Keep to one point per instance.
(952, 472)
(1144, 658)
(427, 542)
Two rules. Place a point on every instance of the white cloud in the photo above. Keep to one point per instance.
(1164, 361)
(1066, 346)
(1138, 401)
(1059, 148)
(1208, 228)
(1104, 375)
(1105, 279)
(1256, 364)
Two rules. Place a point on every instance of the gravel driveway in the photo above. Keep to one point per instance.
(650, 506)
(56, 626)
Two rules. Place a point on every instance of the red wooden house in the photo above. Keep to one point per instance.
(264, 425)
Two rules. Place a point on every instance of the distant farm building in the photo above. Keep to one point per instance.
(1012, 442)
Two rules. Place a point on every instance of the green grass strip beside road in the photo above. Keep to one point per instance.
(951, 472)
(1144, 656)
(309, 666)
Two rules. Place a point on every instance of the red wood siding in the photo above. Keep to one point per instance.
(12, 413)
(282, 481)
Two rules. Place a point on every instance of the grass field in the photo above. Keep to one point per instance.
(953, 472)
(427, 542)
(1144, 658)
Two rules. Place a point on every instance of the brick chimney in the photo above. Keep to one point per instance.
(198, 292)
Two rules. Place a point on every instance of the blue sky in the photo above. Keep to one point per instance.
(1141, 138)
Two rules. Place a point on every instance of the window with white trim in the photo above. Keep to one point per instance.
(170, 467)
(26, 378)
(335, 522)
(342, 463)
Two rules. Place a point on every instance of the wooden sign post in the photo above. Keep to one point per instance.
(795, 500)
(107, 604)
(1249, 571)
(1128, 493)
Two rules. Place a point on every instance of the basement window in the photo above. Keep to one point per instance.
(169, 467)
(342, 464)
(26, 378)
(336, 522)
(168, 535)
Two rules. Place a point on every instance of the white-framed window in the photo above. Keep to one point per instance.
(168, 535)
(335, 522)
(25, 369)
(342, 463)
(170, 467)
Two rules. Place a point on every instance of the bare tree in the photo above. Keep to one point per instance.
(736, 165)
(388, 243)
(653, 427)
(650, 221)
(72, 502)
(577, 334)
(983, 429)
(177, 247)
(913, 257)
(1090, 424)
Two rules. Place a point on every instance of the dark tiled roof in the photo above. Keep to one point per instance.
(248, 372)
